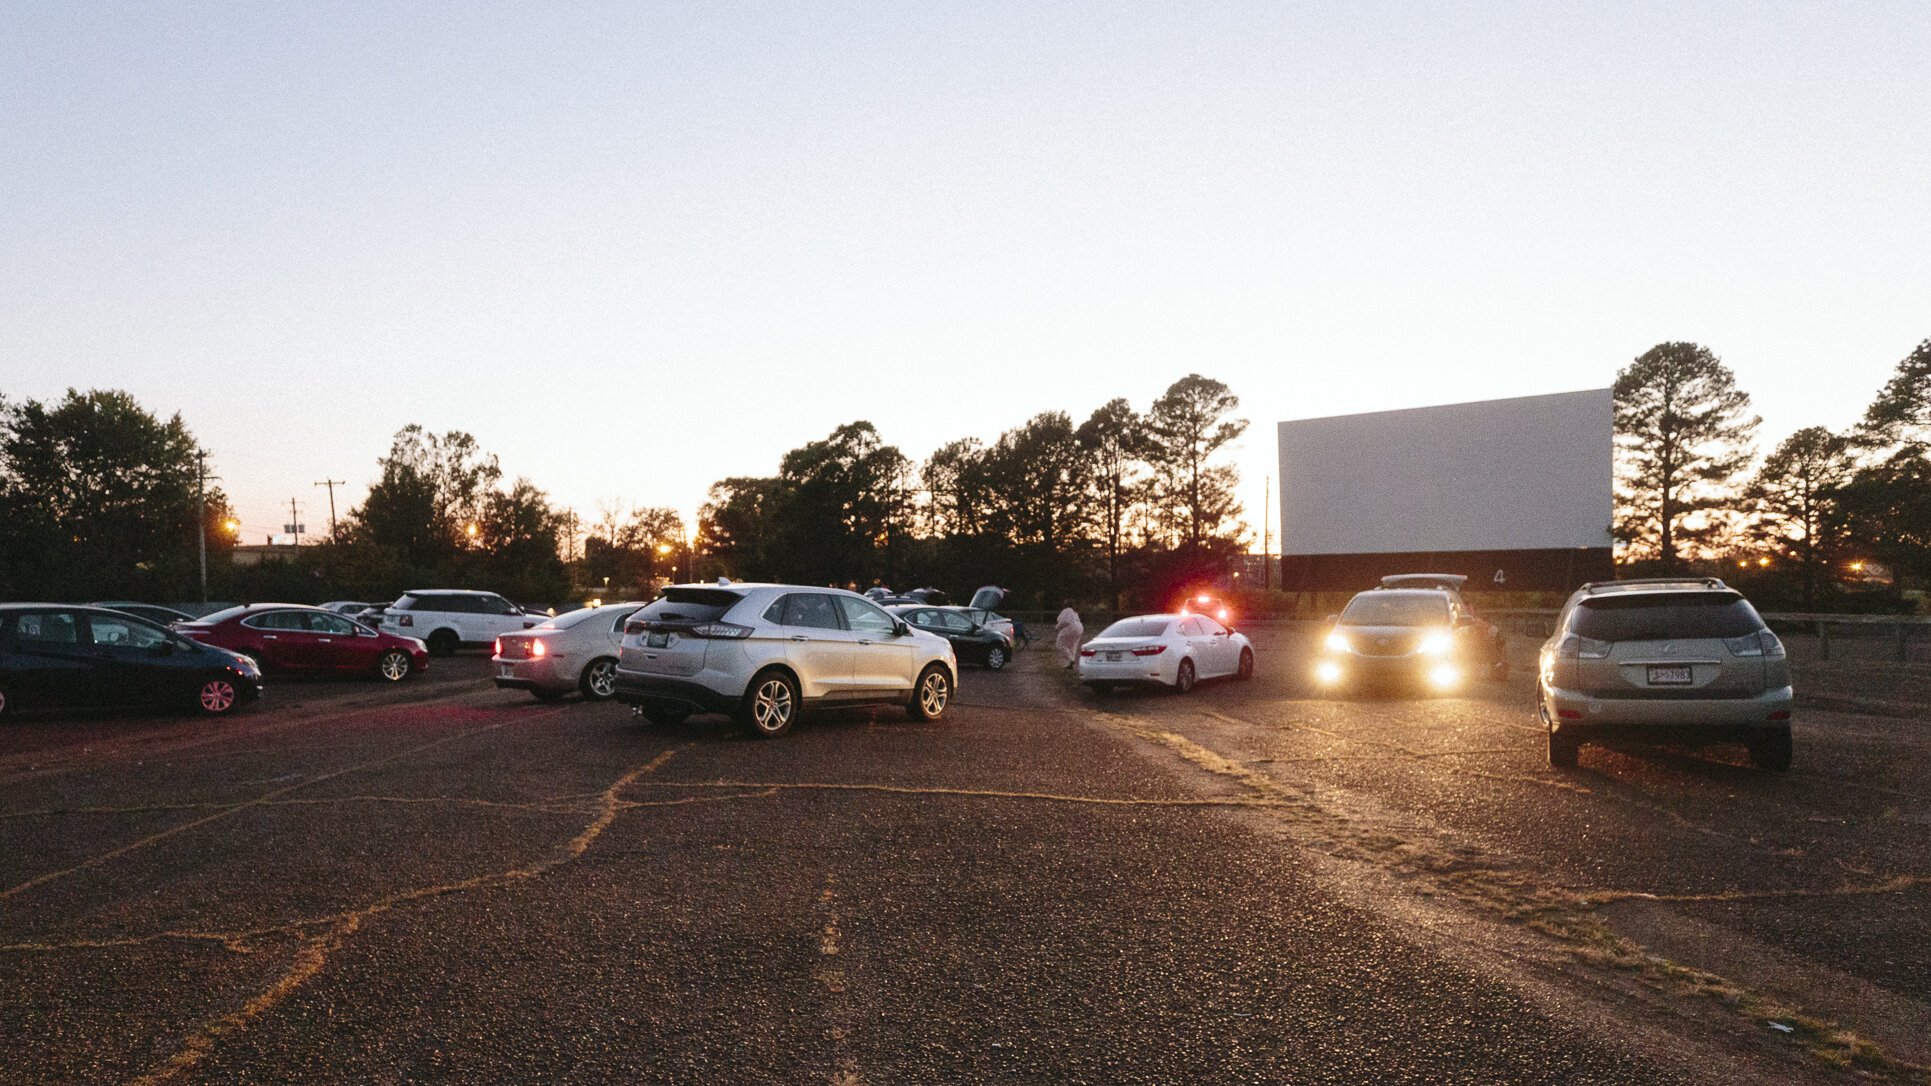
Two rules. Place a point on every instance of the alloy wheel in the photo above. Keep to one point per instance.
(934, 692)
(601, 680)
(771, 707)
(217, 695)
(394, 666)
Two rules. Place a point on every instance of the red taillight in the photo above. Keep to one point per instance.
(729, 631)
(1149, 650)
(1781, 714)
(537, 651)
(635, 627)
(1569, 714)
(1088, 652)
(498, 647)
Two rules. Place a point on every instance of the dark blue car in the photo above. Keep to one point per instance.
(55, 655)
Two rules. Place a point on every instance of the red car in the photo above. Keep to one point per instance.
(290, 637)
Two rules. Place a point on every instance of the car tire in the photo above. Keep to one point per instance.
(996, 658)
(217, 695)
(1183, 677)
(770, 705)
(931, 694)
(1563, 750)
(599, 679)
(443, 643)
(1772, 752)
(1246, 670)
(662, 717)
(393, 666)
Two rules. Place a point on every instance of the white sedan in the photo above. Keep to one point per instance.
(573, 651)
(1173, 650)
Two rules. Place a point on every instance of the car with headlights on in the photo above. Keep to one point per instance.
(291, 637)
(576, 650)
(1175, 651)
(56, 655)
(1681, 661)
(1400, 637)
(972, 643)
(763, 653)
(1487, 636)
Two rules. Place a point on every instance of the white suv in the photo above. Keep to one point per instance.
(762, 652)
(449, 619)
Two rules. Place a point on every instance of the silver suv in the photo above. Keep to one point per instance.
(1684, 660)
(762, 652)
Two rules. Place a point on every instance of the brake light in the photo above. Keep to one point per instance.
(729, 631)
(1088, 652)
(1149, 650)
(1569, 714)
(1577, 647)
(1781, 714)
(635, 627)
(537, 651)
(1761, 643)
(496, 647)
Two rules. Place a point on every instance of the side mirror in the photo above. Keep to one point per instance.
(900, 628)
(162, 648)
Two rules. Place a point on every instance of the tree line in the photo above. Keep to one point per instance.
(99, 499)
(1692, 495)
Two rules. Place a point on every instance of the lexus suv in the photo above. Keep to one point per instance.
(763, 652)
(1683, 660)
(1403, 635)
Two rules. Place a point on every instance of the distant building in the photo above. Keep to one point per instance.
(262, 553)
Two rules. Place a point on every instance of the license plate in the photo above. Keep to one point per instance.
(1112, 657)
(1669, 676)
(506, 672)
(658, 641)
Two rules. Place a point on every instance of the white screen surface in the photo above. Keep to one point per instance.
(1528, 473)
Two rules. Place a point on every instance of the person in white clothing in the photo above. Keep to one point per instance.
(1069, 633)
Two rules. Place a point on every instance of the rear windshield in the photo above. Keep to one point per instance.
(1137, 627)
(221, 616)
(689, 605)
(1661, 617)
(1379, 609)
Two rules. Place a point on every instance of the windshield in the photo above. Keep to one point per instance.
(1137, 627)
(1661, 617)
(1392, 609)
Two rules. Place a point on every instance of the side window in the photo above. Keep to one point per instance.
(1209, 625)
(953, 621)
(123, 632)
(812, 610)
(1190, 628)
(46, 628)
(330, 624)
(497, 605)
(276, 620)
(864, 617)
(624, 616)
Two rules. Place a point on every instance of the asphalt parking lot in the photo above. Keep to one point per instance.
(444, 882)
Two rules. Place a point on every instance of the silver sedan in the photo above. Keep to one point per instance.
(576, 650)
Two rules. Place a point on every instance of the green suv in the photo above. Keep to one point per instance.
(1683, 660)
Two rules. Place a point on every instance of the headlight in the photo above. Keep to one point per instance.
(1444, 677)
(1437, 644)
(1338, 642)
(1327, 672)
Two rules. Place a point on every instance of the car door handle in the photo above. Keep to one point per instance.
(862, 641)
(799, 637)
(269, 637)
(322, 640)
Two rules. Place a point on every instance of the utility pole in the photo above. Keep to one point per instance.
(294, 522)
(201, 515)
(332, 484)
(1267, 540)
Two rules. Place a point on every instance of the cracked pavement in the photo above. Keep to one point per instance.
(449, 883)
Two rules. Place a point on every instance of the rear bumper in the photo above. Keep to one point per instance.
(637, 689)
(548, 673)
(1667, 720)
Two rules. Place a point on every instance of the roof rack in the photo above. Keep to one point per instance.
(1705, 582)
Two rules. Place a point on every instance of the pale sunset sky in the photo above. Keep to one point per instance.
(635, 248)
